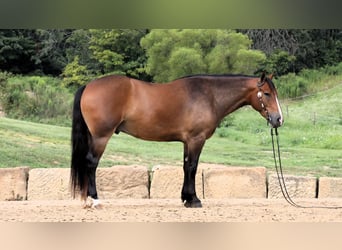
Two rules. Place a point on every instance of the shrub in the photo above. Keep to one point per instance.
(292, 86)
(279, 62)
(75, 74)
(308, 81)
(40, 99)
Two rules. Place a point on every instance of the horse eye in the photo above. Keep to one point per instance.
(267, 94)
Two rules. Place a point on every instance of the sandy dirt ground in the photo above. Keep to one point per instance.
(171, 210)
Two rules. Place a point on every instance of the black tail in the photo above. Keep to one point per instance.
(80, 137)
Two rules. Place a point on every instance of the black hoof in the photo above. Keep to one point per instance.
(193, 204)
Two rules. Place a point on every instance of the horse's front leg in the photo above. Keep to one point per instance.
(192, 151)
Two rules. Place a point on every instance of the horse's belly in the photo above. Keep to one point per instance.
(151, 131)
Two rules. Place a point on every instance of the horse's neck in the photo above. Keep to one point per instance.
(231, 96)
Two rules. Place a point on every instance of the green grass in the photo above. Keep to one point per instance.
(33, 144)
(311, 141)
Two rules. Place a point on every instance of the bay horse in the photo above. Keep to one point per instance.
(187, 110)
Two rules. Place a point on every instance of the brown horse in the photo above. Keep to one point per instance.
(187, 110)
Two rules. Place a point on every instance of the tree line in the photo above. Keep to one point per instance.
(78, 55)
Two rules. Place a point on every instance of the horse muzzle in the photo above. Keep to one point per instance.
(276, 120)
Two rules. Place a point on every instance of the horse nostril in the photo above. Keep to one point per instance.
(276, 120)
(280, 120)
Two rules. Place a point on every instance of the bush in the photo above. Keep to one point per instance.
(227, 121)
(333, 70)
(307, 81)
(39, 99)
(75, 75)
(225, 124)
(292, 86)
(279, 63)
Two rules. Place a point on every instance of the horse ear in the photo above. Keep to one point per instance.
(263, 76)
(270, 76)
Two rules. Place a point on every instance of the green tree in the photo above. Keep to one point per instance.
(25, 51)
(16, 50)
(77, 44)
(158, 45)
(75, 75)
(232, 54)
(118, 51)
(313, 48)
(185, 61)
(318, 48)
(280, 63)
(50, 51)
(175, 53)
(270, 40)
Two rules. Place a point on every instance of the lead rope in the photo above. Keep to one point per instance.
(281, 178)
(280, 171)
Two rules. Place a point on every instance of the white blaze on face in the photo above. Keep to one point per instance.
(280, 112)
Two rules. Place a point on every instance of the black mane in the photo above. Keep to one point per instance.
(268, 80)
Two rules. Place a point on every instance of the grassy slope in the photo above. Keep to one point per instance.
(307, 148)
(32, 144)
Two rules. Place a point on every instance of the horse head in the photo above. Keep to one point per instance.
(265, 101)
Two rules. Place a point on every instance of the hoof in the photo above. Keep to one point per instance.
(193, 204)
(98, 206)
(92, 203)
(87, 203)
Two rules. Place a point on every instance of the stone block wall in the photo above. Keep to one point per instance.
(212, 182)
(49, 184)
(234, 182)
(167, 182)
(114, 182)
(330, 187)
(13, 183)
(123, 182)
(297, 186)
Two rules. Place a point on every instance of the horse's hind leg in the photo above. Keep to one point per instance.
(93, 162)
(97, 148)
